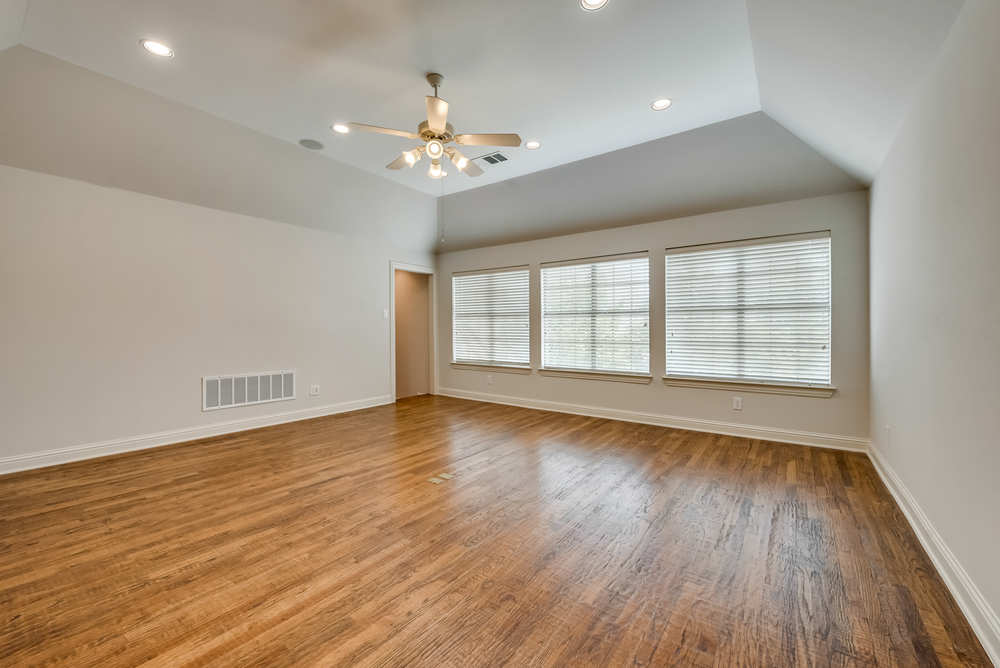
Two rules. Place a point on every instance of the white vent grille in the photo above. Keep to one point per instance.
(490, 159)
(243, 390)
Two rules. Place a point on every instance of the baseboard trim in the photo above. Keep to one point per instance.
(90, 451)
(981, 616)
(726, 428)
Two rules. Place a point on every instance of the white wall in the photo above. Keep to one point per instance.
(114, 304)
(935, 299)
(841, 420)
(413, 334)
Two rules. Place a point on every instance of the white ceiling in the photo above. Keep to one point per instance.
(12, 14)
(579, 82)
(839, 76)
(64, 120)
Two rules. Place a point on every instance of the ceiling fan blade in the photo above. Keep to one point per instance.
(437, 115)
(398, 163)
(472, 169)
(384, 131)
(488, 140)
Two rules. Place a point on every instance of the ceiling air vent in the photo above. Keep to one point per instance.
(492, 158)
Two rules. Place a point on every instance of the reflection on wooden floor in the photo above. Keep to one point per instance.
(559, 541)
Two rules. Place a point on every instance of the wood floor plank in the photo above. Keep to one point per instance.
(559, 540)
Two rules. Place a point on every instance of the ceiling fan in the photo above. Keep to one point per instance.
(436, 132)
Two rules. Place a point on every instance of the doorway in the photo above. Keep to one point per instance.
(412, 338)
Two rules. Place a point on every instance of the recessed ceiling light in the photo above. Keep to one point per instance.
(533, 145)
(660, 105)
(156, 48)
(342, 129)
(311, 144)
(593, 5)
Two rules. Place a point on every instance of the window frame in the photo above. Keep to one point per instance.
(592, 373)
(768, 386)
(490, 365)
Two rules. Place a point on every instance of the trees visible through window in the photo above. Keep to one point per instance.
(490, 317)
(757, 311)
(595, 315)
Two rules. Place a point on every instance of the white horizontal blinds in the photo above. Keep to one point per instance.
(490, 318)
(751, 312)
(595, 316)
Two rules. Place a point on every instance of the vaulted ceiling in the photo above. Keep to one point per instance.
(834, 78)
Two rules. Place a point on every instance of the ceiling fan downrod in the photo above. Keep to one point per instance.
(435, 80)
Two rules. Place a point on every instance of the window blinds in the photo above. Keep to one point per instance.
(758, 311)
(595, 316)
(490, 317)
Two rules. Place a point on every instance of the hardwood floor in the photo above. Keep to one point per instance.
(560, 541)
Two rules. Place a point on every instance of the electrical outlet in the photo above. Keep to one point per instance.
(489, 379)
(737, 403)
(314, 390)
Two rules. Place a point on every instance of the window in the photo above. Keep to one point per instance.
(754, 311)
(595, 316)
(490, 317)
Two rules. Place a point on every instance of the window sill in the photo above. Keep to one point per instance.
(751, 386)
(598, 375)
(497, 368)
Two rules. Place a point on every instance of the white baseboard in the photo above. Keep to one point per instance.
(982, 618)
(76, 453)
(692, 424)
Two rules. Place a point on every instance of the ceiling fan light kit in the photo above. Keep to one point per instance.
(435, 149)
(413, 157)
(457, 159)
(437, 132)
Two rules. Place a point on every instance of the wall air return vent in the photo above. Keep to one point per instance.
(255, 388)
(491, 159)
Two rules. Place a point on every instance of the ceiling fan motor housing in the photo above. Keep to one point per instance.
(436, 131)
(427, 134)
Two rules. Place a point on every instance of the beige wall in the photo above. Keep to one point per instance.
(742, 162)
(838, 421)
(935, 297)
(413, 341)
(115, 304)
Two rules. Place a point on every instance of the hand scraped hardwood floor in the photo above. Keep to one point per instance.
(560, 541)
